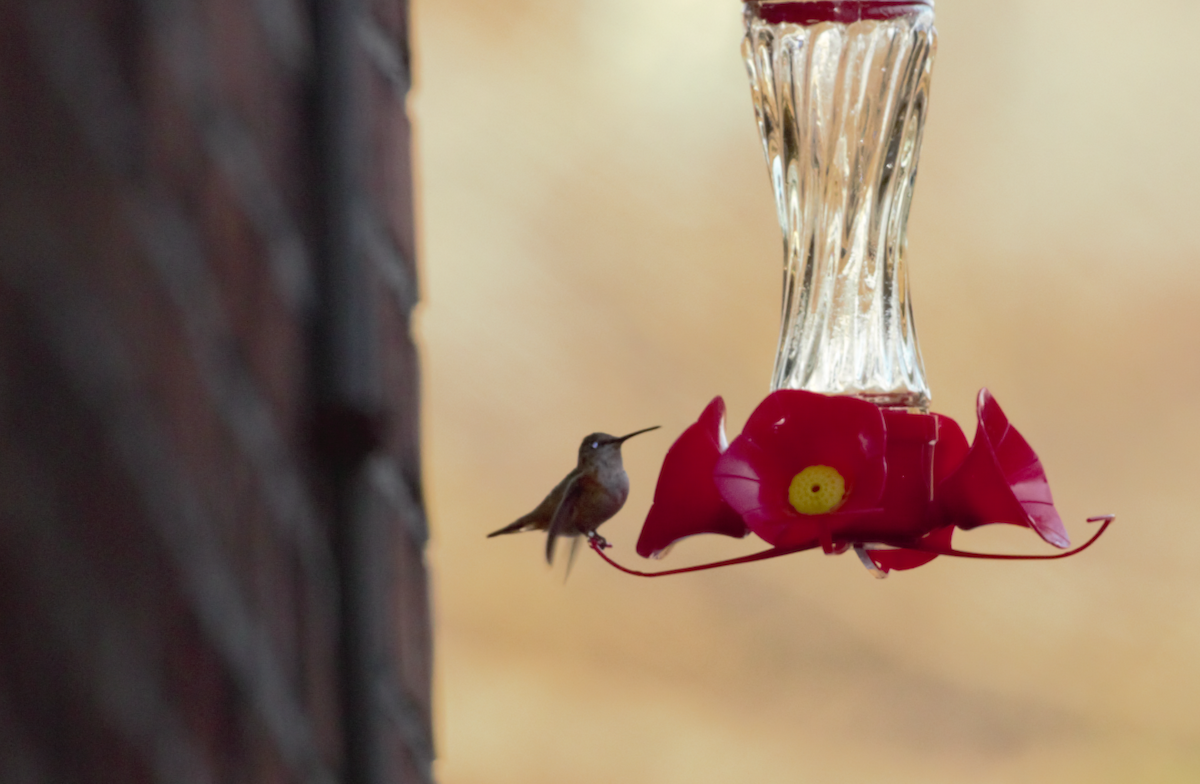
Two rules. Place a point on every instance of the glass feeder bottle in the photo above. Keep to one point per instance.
(840, 91)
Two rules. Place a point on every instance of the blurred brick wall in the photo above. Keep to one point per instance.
(199, 580)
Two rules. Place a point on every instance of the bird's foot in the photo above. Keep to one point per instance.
(597, 541)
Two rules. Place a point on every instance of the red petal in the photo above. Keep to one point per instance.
(951, 448)
(1001, 480)
(911, 444)
(686, 501)
(901, 559)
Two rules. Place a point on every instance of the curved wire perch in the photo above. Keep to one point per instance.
(600, 545)
(1108, 519)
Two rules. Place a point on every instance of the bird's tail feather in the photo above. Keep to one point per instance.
(524, 524)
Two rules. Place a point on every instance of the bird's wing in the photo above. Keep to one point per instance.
(564, 516)
(539, 519)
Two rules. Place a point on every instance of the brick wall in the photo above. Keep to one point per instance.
(211, 526)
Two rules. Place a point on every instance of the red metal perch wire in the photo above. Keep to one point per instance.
(598, 544)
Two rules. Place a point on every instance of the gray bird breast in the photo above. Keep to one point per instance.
(616, 483)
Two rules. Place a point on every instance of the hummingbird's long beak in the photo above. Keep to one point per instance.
(622, 439)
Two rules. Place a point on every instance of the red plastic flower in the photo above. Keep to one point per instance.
(792, 432)
(998, 480)
(1001, 481)
(686, 501)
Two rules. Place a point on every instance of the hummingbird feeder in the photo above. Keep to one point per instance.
(844, 453)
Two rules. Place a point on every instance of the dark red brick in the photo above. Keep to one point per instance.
(393, 17)
(391, 163)
(410, 616)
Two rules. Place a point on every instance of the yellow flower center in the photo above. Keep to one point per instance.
(816, 490)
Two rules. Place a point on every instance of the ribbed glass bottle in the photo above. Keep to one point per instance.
(840, 92)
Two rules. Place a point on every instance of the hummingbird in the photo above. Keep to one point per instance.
(590, 494)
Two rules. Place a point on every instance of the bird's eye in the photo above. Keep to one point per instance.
(595, 445)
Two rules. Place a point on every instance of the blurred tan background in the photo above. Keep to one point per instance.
(600, 252)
